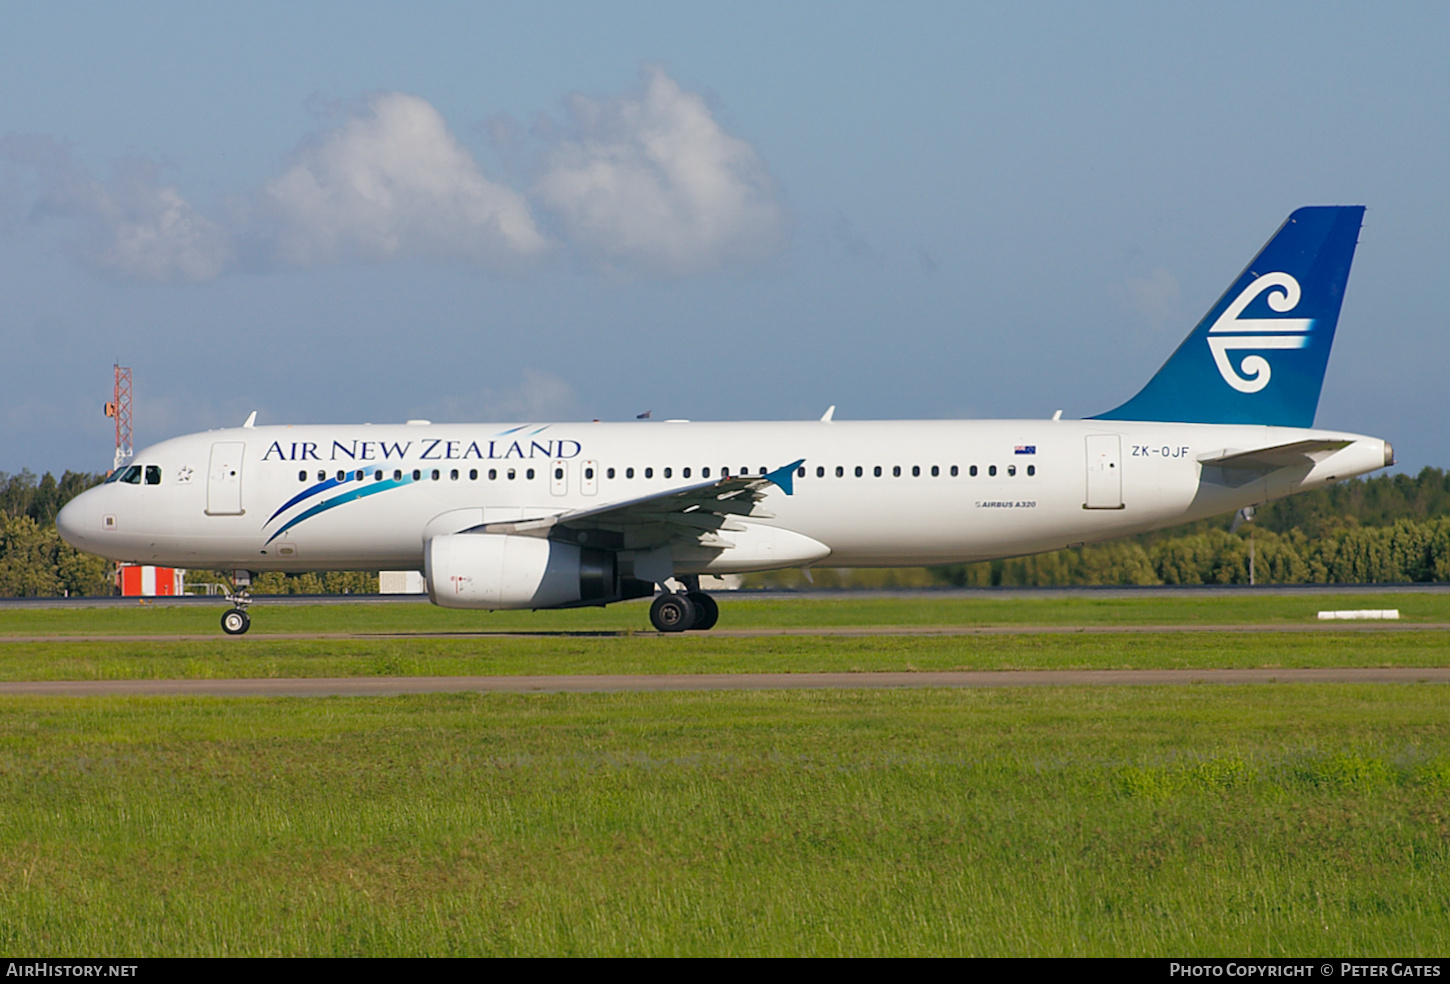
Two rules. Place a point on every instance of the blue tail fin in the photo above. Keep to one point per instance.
(1258, 356)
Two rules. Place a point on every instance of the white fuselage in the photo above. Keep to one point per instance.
(947, 491)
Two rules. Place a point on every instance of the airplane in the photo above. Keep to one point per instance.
(560, 515)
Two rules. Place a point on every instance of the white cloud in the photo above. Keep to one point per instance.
(650, 181)
(134, 224)
(644, 183)
(393, 181)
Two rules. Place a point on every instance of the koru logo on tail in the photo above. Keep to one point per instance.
(1232, 333)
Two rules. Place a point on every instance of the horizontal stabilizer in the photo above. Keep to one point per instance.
(1277, 456)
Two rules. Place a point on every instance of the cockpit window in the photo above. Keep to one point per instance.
(153, 474)
(131, 476)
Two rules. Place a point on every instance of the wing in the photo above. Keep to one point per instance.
(695, 514)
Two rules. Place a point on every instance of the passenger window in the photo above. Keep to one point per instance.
(876, 471)
(954, 471)
(435, 474)
(820, 471)
(321, 475)
(895, 471)
(588, 473)
(668, 472)
(915, 471)
(935, 471)
(1031, 470)
(559, 473)
(629, 473)
(609, 473)
(512, 474)
(649, 473)
(302, 476)
(358, 474)
(705, 472)
(529, 474)
(858, 471)
(800, 473)
(991, 469)
(417, 474)
(132, 475)
(493, 474)
(397, 474)
(342, 476)
(378, 475)
(840, 471)
(473, 474)
(453, 475)
(973, 471)
(686, 473)
(1011, 470)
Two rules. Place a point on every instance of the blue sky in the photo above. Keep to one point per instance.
(347, 212)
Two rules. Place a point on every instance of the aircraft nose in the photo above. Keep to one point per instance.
(71, 522)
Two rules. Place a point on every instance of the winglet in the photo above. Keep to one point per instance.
(785, 477)
(252, 420)
(829, 415)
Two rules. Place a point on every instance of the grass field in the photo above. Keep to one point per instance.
(1229, 820)
(262, 657)
(419, 640)
(1244, 820)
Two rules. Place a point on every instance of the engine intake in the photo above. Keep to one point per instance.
(497, 570)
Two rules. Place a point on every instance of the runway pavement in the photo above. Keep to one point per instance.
(389, 686)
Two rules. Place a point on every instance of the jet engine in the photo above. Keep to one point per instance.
(498, 570)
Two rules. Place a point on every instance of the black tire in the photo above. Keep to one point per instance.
(707, 613)
(236, 621)
(672, 613)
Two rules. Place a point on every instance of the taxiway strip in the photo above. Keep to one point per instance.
(838, 630)
(392, 686)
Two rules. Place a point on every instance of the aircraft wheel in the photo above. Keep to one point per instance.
(707, 613)
(236, 621)
(672, 613)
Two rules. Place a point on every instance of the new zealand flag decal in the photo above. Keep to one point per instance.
(1025, 449)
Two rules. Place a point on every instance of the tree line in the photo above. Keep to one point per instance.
(1386, 529)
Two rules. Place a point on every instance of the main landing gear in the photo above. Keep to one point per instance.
(236, 620)
(691, 609)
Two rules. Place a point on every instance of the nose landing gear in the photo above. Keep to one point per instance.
(236, 621)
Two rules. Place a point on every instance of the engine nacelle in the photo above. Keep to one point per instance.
(497, 570)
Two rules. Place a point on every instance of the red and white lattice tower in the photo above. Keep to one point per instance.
(120, 408)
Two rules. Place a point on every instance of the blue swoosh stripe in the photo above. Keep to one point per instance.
(342, 500)
(304, 494)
